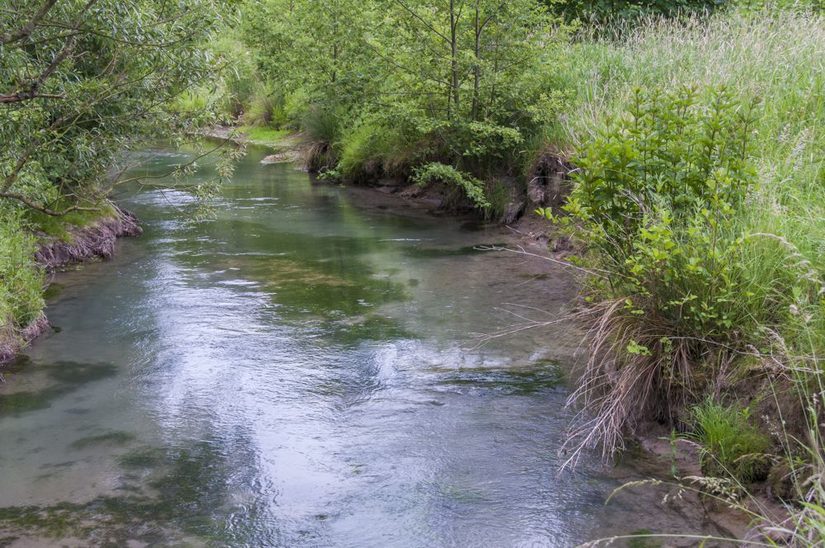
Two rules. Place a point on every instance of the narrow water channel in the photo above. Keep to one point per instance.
(303, 369)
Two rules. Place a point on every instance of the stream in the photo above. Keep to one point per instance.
(310, 366)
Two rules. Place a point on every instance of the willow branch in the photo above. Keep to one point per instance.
(27, 29)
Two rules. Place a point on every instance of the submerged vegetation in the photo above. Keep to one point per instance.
(692, 131)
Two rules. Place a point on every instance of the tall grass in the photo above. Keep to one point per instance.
(21, 290)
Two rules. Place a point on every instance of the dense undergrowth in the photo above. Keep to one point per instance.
(699, 204)
(21, 298)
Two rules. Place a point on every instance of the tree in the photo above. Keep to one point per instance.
(463, 51)
(315, 48)
(84, 81)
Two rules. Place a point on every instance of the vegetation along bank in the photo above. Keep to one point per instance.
(685, 138)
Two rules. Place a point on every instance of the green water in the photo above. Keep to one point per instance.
(302, 369)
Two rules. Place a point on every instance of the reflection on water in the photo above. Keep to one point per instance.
(301, 370)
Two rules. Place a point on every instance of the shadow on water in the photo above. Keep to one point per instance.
(437, 252)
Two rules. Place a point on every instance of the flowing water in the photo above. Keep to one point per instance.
(304, 368)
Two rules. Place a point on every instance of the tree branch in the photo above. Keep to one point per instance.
(426, 23)
(42, 208)
(27, 29)
(21, 96)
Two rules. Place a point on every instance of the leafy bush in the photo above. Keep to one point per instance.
(672, 151)
(468, 185)
(656, 194)
(239, 75)
(657, 199)
(197, 105)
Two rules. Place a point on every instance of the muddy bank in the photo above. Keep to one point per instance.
(96, 241)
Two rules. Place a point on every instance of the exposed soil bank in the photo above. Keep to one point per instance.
(90, 242)
(83, 244)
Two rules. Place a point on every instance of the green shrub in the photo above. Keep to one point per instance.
(322, 123)
(467, 185)
(197, 105)
(365, 152)
(676, 152)
(382, 145)
(322, 126)
(296, 105)
(239, 75)
(656, 192)
(733, 446)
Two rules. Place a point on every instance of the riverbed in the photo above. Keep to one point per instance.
(309, 365)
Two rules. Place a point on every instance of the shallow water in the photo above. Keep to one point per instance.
(303, 369)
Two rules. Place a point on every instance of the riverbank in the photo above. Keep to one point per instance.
(285, 147)
(75, 244)
(546, 187)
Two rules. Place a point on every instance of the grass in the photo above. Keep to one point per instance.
(265, 136)
(60, 227)
(21, 293)
(778, 58)
(733, 445)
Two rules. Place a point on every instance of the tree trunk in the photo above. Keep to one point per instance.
(477, 68)
(454, 58)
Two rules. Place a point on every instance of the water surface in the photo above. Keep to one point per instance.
(303, 369)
